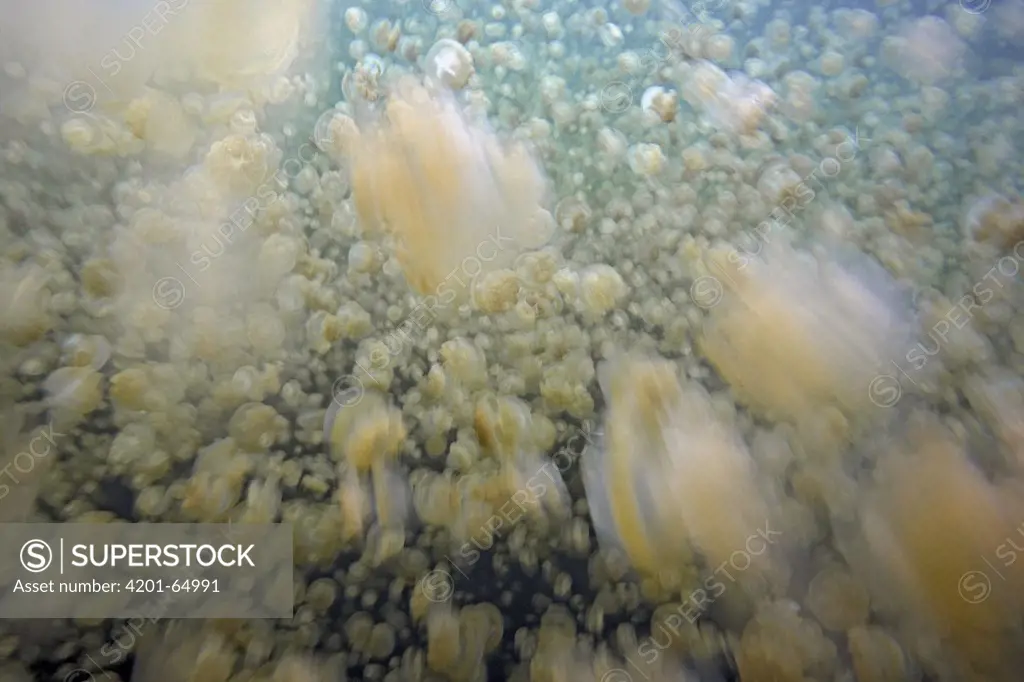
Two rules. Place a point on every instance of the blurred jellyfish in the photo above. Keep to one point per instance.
(363, 86)
(731, 102)
(266, 48)
(995, 220)
(505, 427)
(926, 51)
(927, 562)
(366, 438)
(514, 481)
(793, 333)
(856, 24)
(454, 199)
(669, 476)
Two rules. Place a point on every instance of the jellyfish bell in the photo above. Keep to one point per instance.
(926, 51)
(829, 328)
(376, 509)
(81, 349)
(910, 550)
(72, 393)
(994, 220)
(448, 64)
(620, 508)
(669, 478)
(365, 432)
(732, 102)
(621, 472)
(365, 438)
(455, 199)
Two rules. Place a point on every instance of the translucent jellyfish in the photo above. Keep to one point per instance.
(663, 103)
(73, 392)
(236, 166)
(950, 565)
(454, 199)
(926, 51)
(267, 47)
(449, 64)
(82, 350)
(856, 24)
(792, 333)
(24, 304)
(993, 219)
(731, 102)
(356, 19)
(366, 437)
(669, 476)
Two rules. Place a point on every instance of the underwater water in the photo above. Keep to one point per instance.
(623, 341)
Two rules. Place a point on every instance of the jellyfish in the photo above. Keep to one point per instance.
(731, 102)
(366, 438)
(504, 426)
(926, 51)
(795, 332)
(453, 198)
(669, 476)
(950, 567)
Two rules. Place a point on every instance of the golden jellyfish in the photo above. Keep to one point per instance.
(670, 477)
(506, 430)
(266, 49)
(455, 200)
(366, 438)
(731, 102)
(514, 481)
(792, 332)
(995, 220)
(951, 565)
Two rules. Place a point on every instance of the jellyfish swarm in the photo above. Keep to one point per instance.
(794, 333)
(948, 563)
(669, 476)
(455, 200)
(505, 428)
(515, 482)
